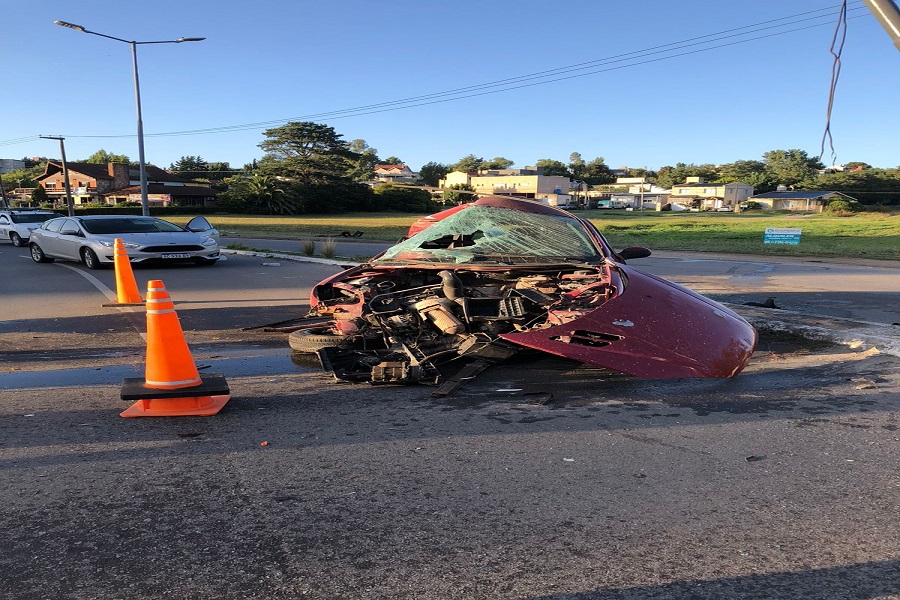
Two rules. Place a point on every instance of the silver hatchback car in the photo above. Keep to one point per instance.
(91, 240)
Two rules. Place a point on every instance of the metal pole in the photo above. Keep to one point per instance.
(145, 202)
(888, 15)
(3, 194)
(62, 150)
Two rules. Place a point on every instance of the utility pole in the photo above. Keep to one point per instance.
(3, 194)
(62, 150)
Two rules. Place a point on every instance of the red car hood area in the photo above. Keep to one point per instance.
(653, 329)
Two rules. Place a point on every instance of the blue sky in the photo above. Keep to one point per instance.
(271, 61)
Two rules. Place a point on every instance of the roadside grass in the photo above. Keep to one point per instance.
(874, 235)
(862, 235)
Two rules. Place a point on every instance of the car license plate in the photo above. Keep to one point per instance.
(176, 255)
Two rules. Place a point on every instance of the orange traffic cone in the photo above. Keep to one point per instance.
(126, 287)
(172, 386)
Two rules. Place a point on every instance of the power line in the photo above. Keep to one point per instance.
(577, 70)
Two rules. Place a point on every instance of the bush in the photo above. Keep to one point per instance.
(843, 208)
(401, 199)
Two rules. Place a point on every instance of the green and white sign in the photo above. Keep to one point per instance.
(782, 235)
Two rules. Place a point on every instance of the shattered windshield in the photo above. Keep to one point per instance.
(486, 234)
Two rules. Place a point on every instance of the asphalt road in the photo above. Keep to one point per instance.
(540, 479)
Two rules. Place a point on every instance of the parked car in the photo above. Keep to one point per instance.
(91, 239)
(487, 279)
(16, 224)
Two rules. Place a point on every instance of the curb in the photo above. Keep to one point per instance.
(293, 257)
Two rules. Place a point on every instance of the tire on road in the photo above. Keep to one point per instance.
(38, 256)
(16, 240)
(90, 260)
(311, 340)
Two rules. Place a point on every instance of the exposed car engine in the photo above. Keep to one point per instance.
(394, 326)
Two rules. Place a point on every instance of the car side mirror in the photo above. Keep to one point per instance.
(635, 252)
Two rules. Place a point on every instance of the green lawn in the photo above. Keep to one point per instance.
(862, 235)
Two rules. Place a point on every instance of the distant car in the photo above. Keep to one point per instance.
(17, 224)
(487, 279)
(91, 240)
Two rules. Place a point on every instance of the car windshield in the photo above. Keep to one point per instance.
(128, 225)
(492, 235)
(32, 217)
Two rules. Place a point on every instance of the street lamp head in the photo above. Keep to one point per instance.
(70, 25)
(186, 39)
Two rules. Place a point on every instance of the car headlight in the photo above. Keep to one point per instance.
(108, 244)
(208, 241)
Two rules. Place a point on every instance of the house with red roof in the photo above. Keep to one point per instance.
(114, 183)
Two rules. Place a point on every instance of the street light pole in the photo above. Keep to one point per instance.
(145, 203)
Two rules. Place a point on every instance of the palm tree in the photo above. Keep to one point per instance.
(269, 195)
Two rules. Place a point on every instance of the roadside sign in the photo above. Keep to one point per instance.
(782, 235)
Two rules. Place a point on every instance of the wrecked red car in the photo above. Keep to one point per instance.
(487, 279)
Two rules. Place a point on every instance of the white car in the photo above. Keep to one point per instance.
(16, 224)
(91, 240)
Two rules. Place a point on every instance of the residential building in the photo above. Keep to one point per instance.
(808, 200)
(114, 183)
(523, 183)
(395, 174)
(711, 196)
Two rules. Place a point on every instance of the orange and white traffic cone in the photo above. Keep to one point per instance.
(172, 386)
(126, 287)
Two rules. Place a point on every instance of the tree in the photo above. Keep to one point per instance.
(459, 194)
(751, 172)
(597, 172)
(269, 196)
(364, 170)
(791, 167)
(576, 165)
(467, 164)
(856, 166)
(431, 173)
(552, 167)
(393, 160)
(39, 195)
(219, 171)
(496, 163)
(102, 157)
(190, 167)
(668, 176)
(315, 167)
(308, 154)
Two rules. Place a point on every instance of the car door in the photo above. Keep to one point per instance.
(45, 236)
(202, 226)
(68, 241)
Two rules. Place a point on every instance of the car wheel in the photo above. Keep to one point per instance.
(311, 340)
(38, 256)
(90, 259)
(16, 239)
